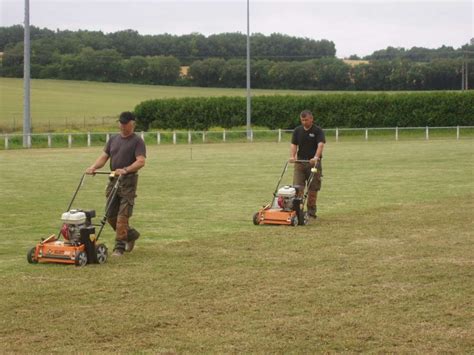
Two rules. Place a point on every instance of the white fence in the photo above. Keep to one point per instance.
(87, 139)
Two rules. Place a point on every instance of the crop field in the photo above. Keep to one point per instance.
(387, 267)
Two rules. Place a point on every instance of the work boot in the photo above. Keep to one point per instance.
(132, 236)
(312, 212)
(119, 248)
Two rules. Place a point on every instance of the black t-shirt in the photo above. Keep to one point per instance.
(123, 151)
(307, 141)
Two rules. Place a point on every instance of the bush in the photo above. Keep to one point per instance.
(331, 110)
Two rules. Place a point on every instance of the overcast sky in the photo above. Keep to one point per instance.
(356, 27)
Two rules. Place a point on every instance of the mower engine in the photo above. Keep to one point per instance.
(73, 222)
(286, 196)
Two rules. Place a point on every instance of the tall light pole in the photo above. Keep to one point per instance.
(248, 74)
(26, 79)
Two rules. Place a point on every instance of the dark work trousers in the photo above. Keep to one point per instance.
(121, 207)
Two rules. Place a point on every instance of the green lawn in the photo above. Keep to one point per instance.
(387, 267)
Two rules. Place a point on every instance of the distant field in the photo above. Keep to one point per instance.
(57, 103)
(60, 105)
(387, 268)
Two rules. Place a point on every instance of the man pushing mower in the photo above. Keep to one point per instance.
(306, 151)
(287, 206)
(127, 153)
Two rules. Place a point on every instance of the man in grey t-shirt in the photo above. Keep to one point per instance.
(127, 153)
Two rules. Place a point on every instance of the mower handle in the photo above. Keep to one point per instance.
(104, 172)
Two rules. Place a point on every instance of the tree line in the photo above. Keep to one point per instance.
(108, 65)
(332, 74)
(420, 54)
(186, 48)
(128, 57)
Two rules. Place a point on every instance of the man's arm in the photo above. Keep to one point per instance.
(319, 153)
(137, 165)
(293, 150)
(99, 163)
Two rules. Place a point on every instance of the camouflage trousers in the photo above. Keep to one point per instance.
(121, 207)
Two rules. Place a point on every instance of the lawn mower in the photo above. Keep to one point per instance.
(286, 207)
(80, 243)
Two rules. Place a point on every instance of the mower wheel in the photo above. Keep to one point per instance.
(294, 220)
(256, 218)
(31, 256)
(81, 259)
(305, 218)
(101, 253)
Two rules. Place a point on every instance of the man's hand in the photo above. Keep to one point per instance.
(314, 161)
(291, 160)
(90, 170)
(120, 172)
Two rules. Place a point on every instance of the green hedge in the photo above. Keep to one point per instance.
(330, 110)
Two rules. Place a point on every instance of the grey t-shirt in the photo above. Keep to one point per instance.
(124, 151)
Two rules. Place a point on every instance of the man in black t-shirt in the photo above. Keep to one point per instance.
(127, 153)
(307, 143)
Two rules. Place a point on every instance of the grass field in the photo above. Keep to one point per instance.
(388, 266)
(63, 104)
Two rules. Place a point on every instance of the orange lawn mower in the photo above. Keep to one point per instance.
(80, 243)
(286, 207)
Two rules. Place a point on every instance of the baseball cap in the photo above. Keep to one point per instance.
(126, 117)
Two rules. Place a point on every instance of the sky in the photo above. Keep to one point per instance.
(356, 27)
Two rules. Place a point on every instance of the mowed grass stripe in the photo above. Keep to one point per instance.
(386, 268)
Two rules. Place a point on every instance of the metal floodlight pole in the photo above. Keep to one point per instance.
(26, 79)
(466, 71)
(248, 74)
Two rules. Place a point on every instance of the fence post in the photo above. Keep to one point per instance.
(6, 141)
(49, 140)
(427, 135)
(174, 137)
(223, 136)
(366, 134)
(29, 140)
(337, 134)
(69, 140)
(189, 137)
(107, 137)
(396, 133)
(279, 135)
(457, 132)
(203, 136)
(88, 139)
(158, 137)
(143, 136)
(251, 135)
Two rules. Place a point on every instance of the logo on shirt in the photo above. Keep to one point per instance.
(311, 135)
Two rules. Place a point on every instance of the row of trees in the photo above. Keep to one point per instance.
(102, 65)
(420, 54)
(190, 47)
(186, 48)
(332, 74)
(216, 61)
(318, 74)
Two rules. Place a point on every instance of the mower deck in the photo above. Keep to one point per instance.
(53, 250)
(276, 216)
